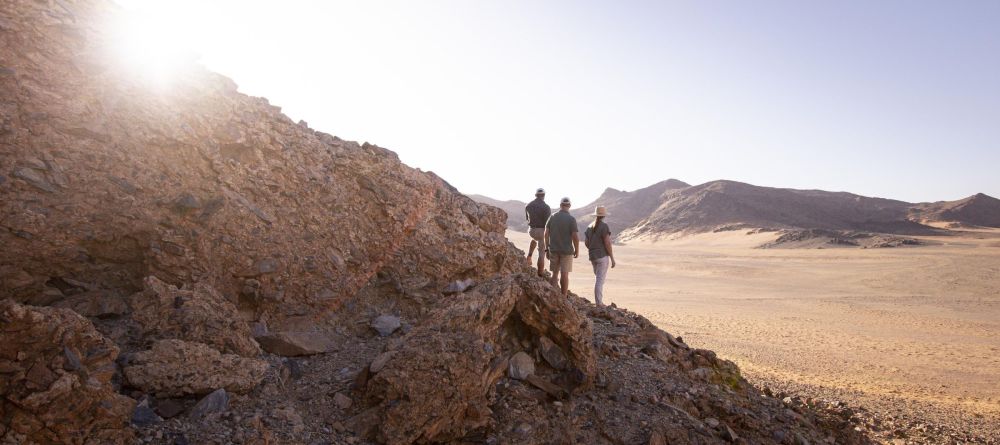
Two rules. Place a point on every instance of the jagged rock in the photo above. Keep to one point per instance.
(729, 435)
(457, 287)
(199, 314)
(173, 368)
(296, 343)
(55, 378)
(385, 325)
(520, 366)
(143, 415)
(379, 362)
(656, 438)
(342, 401)
(100, 304)
(406, 400)
(215, 402)
(552, 354)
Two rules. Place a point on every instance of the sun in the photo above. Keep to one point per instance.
(150, 42)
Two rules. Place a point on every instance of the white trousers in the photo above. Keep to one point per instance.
(601, 272)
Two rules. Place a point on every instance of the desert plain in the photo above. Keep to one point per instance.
(911, 334)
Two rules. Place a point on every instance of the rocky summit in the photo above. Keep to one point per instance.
(188, 265)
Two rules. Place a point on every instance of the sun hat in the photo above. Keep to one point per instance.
(600, 211)
(564, 202)
(540, 191)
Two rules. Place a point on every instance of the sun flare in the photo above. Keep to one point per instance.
(151, 43)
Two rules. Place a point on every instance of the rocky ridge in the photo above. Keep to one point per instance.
(190, 266)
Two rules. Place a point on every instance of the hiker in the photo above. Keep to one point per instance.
(537, 212)
(562, 244)
(597, 238)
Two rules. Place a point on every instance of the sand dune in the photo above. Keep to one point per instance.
(913, 332)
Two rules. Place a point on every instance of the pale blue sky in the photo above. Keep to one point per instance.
(898, 99)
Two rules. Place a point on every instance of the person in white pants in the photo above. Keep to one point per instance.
(598, 241)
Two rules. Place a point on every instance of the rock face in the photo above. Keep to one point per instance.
(161, 311)
(435, 386)
(109, 181)
(174, 368)
(55, 379)
(979, 209)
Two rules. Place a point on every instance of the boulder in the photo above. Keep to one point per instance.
(173, 368)
(199, 314)
(144, 416)
(215, 402)
(296, 343)
(520, 366)
(552, 354)
(385, 325)
(56, 378)
(405, 401)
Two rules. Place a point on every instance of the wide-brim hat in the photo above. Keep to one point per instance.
(600, 211)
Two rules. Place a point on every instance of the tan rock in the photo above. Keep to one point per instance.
(173, 368)
(55, 383)
(199, 314)
(296, 343)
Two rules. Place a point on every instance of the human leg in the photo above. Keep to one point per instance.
(600, 274)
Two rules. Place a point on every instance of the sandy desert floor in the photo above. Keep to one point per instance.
(912, 333)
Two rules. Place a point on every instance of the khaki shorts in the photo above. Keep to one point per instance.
(538, 234)
(560, 262)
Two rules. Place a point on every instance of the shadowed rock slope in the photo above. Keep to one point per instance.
(628, 208)
(976, 210)
(187, 265)
(721, 204)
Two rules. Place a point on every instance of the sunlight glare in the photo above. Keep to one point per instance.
(151, 42)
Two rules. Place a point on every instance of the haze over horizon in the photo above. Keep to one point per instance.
(896, 99)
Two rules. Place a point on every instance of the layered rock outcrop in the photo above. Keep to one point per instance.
(108, 180)
(435, 384)
(162, 311)
(173, 368)
(55, 379)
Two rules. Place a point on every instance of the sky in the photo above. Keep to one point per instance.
(896, 99)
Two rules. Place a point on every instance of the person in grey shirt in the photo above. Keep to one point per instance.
(563, 244)
(597, 237)
(537, 212)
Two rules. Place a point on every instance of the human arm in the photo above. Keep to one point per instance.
(607, 246)
(576, 244)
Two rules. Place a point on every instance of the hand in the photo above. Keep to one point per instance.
(612, 263)
(576, 254)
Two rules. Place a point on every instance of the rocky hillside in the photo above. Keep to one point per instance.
(976, 210)
(628, 208)
(188, 265)
(718, 204)
(513, 208)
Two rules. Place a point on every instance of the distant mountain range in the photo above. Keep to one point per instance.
(673, 206)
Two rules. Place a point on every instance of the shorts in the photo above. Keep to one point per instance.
(538, 234)
(561, 262)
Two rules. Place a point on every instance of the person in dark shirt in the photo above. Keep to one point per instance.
(563, 244)
(598, 241)
(537, 212)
